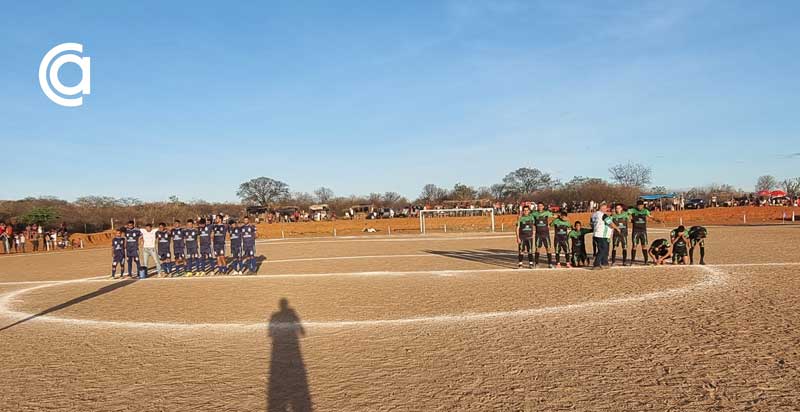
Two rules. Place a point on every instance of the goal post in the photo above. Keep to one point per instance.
(458, 218)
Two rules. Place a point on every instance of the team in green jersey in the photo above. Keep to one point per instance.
(533, 234)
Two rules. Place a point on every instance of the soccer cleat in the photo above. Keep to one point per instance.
(519, 265)
(550, 266)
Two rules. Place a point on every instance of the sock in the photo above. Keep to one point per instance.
(633, 255)
(567, 257)
(645, 257)
(614, 256)
(702, 254)
(536, 258)
(624, 256)
(549, 258)
(558, 257)
(530, 258)
(519, 258)
(130, 266)
(113, 270)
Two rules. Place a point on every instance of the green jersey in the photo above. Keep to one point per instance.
(621, 220)
(578, 236)
(639, 218)
(541, 219)
(525, 226)
(562, 229)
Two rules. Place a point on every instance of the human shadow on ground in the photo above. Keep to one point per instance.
(287, 387)
(497, 257)
(102, 291)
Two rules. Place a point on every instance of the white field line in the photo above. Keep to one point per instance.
(715, 277)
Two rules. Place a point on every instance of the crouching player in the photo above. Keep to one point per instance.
(163, 240)
(236, 248)
(697, 236)
(118, 254)
(578, 236)
(525, 236)
(660, 250)
(220, 230)
(249, 245)
(562, 227)
(178, 248)
(680, 246)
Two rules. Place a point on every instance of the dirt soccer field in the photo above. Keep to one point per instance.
(408, 324)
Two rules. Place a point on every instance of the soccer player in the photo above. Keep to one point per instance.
(525, 225)
(118, 254)
(638, 217)
(204, 232)
(192, 257)
(540, 217)
(562, 227)
(660, 250)
(220, 230)
(680, 246)
(249, 244)
(178, 247)
(620, 218)
(133, 237)
(162, 241)
(578, 236)
(236, 247)
(697, 236)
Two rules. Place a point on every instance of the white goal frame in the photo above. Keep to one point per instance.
(448, 212)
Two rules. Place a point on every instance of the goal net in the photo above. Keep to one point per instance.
(456, 220)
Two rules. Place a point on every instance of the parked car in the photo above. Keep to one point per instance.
(696, 204)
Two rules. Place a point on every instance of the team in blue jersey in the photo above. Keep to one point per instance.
(189, 250)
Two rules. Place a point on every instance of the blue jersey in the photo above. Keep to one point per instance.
(205, 238)
(163, 237)
(219, 234)
(177, 237)
(236, 238)
(190, 237)
(132, 237)
(248, 236)
(118, 246)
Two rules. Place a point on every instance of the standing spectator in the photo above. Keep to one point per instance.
(22, 240)
(34, 238)
(9, 238)
(149, 247)
(53, 239)
(3, 238)
(603, 229)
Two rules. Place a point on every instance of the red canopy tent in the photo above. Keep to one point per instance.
(777, 193)
(764, 193)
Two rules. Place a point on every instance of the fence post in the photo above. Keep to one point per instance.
(445, 228)
(744, 218)
(389, 229)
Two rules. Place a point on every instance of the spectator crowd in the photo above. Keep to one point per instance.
(32, 238)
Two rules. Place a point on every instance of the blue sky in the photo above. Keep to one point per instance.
(193, 98)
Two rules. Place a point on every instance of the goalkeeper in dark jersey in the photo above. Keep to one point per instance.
(621, 219)
(638, 217)
(697, 237)
(562, 227)
(542, 238)
(525, 227)
(578, 236)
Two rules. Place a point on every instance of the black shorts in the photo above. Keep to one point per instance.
(236, 252)
(249, 251)
(525, 245)
(192, 253)
(658, 252)
(639, 238)
(219, 251)
(698, 241)
(621, 240)
(679, 252)
(132, 254)
(205, 251)
(543, 240)
(562, 245)
(579, 252)
(118, 259)
(164, 255)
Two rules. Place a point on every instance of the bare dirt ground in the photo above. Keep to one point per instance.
(409, 324)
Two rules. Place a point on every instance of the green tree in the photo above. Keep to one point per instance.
(40, 216)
